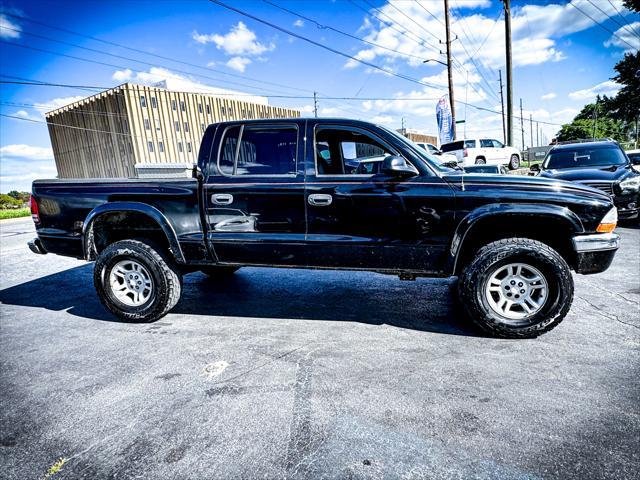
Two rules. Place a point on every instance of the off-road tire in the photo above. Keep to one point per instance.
(514, 162)
(472, 281)
(481, 161)
(167, 280)
(219, 271)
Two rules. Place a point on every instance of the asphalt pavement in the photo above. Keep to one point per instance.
(310, 374)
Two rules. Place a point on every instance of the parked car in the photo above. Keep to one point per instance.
(634, 156)
(445, 158)
(481, 151)
(602, 165)
(274, 193)
(491, 169)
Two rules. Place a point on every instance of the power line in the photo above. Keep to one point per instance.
(325, 47)
(419, 41)
(107, 42)
(391, 4)
(611, 17)
(601, 25)
(327, 27)
(69, 126)
(627, 26)
(320, 98)
(22, 32)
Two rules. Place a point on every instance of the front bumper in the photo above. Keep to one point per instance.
(594, 253)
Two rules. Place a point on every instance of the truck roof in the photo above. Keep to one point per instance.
(597, 144)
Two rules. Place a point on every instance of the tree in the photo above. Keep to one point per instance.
(632, 5)
(9, 202)
(626, 104)
(581, 129)
(15, 194)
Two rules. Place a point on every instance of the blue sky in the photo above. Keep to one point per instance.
(562, 59)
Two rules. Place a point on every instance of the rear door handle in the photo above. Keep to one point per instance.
(320, 199)
(222, 198)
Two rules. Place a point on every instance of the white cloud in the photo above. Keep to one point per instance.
(26, 152)
(625, 38)
(383, 119)
(548, 96)
(238, 63)
(54, 103)
(26, 115)
(122, 75)
(608, 88)
(9, 29)
(298, 23)
(240, 40)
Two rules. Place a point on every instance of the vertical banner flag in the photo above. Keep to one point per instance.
(445, 121)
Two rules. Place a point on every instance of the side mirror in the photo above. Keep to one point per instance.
(196, 172)
(395, 166)
(535, 167)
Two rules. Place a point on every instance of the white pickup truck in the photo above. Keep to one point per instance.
(480, 151)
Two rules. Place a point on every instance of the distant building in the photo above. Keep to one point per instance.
(418, 136)
(108, 134)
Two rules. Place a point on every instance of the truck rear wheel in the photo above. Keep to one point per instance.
(514, 162)
(516, 288)
(135, 282)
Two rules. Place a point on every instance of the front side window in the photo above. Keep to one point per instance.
(342, 151)
(497, 144)
(259, 150)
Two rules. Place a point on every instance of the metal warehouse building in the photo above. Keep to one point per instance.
(108, 134)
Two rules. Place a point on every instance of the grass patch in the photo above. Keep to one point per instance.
(55, 468)
(14, 213)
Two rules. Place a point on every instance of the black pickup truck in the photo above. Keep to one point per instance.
(307, 193)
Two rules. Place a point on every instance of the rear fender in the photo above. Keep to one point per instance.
(153, 213)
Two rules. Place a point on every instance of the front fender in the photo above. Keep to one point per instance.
(153, 213)
(507, 211)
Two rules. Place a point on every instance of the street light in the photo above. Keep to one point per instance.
(434, 60)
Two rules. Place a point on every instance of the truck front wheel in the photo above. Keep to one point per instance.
(516, 288)
(135, 282)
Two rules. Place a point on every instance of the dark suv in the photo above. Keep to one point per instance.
(600, 164)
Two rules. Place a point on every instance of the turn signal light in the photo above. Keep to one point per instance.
(609, 221)
(33, 205)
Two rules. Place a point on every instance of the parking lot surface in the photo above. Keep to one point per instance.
(310, 374)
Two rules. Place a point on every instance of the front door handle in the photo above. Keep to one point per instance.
(222, 198)
(320, 199)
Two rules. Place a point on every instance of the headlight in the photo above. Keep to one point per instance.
(608, 222)
(630, 185)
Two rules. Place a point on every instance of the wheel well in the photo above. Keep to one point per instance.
(112, 227)
(551, 231)
(480, 156)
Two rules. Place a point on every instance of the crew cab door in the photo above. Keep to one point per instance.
(254, 193)
(371, 220)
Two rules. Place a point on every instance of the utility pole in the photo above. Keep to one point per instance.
(315, 104)
(507, 35)
(537, 134)
(504, 128)
(595, 119)
(531, 129)
(521, 125)
(449, 67)
(403, 132)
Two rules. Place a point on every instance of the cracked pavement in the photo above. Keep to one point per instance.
(311, 374)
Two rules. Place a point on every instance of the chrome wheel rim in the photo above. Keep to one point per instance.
(516, 291)
(131, 283)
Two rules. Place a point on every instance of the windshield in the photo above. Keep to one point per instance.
(579, 157)
(420, 152)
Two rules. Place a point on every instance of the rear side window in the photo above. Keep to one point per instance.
(469, 144)
(451, 147)
(264, 150)
(484, 143)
